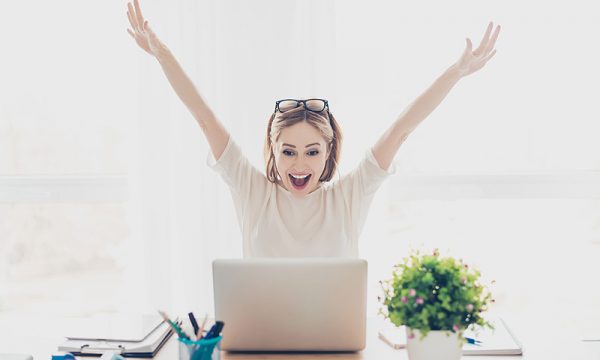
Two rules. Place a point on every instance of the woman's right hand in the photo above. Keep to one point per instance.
(143, 35)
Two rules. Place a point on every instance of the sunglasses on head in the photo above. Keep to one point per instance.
(314, 105)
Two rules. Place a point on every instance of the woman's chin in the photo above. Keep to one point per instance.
(299, 193)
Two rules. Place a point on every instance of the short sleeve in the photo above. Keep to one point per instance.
(371, 174)
(248, 186)
(359, 187)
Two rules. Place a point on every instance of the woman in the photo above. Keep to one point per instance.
(294, 210)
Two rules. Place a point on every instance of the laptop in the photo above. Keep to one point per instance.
(291, 304)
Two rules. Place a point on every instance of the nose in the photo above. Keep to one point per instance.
(300, 164)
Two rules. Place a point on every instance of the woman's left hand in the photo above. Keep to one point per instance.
(471, 61)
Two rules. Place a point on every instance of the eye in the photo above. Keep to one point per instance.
(287, 152)
(313, 153)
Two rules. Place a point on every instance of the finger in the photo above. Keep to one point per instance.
(493, 40)
(484, 41)
(140, 18)
(131, 22)
(151, 33)
(468, 49)
(132, 18)
(131, 33)
(491, 55)
(147, 28)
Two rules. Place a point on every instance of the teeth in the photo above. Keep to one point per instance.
(299, 177)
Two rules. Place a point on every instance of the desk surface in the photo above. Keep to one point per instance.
(540, 341)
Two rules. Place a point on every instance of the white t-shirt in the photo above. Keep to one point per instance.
(325, 223)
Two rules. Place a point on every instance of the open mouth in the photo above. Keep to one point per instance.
(299, 182)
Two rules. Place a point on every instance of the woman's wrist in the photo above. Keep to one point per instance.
(454, 72)
(163, 54)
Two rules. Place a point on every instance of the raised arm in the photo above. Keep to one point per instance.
(387, 146)
(214, 131)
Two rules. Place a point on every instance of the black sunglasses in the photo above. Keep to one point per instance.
(314, 105)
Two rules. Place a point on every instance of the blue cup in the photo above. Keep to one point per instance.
(203, 349)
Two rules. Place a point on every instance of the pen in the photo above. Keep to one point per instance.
(177, 329)
(473, 341)
(215, 330)
(194, 322)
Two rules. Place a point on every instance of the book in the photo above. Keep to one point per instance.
(499, 341)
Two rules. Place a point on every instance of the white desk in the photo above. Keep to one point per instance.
(536, 345)
(40, 336)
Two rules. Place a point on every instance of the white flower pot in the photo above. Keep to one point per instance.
(437, 345)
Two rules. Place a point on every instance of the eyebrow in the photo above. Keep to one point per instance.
(294, 146)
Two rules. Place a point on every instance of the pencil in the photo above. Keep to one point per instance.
(175, 327)
(199, 335)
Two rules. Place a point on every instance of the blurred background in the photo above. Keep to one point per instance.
(106, 202)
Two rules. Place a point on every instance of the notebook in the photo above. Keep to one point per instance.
(500, 341)
(6, 356)
(298, 304)
(147, 347)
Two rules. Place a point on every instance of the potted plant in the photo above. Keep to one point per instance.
(436, 299)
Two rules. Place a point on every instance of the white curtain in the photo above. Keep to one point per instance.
(370, 61)
(242, 56)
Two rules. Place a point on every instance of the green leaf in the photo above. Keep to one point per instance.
(446, 285)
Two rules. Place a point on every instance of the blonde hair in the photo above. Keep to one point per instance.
(324, 122)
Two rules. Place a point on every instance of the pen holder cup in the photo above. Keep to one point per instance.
(203, 349)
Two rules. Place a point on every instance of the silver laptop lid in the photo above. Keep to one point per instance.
(291, 304)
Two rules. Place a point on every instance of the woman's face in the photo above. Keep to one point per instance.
(300, 156)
